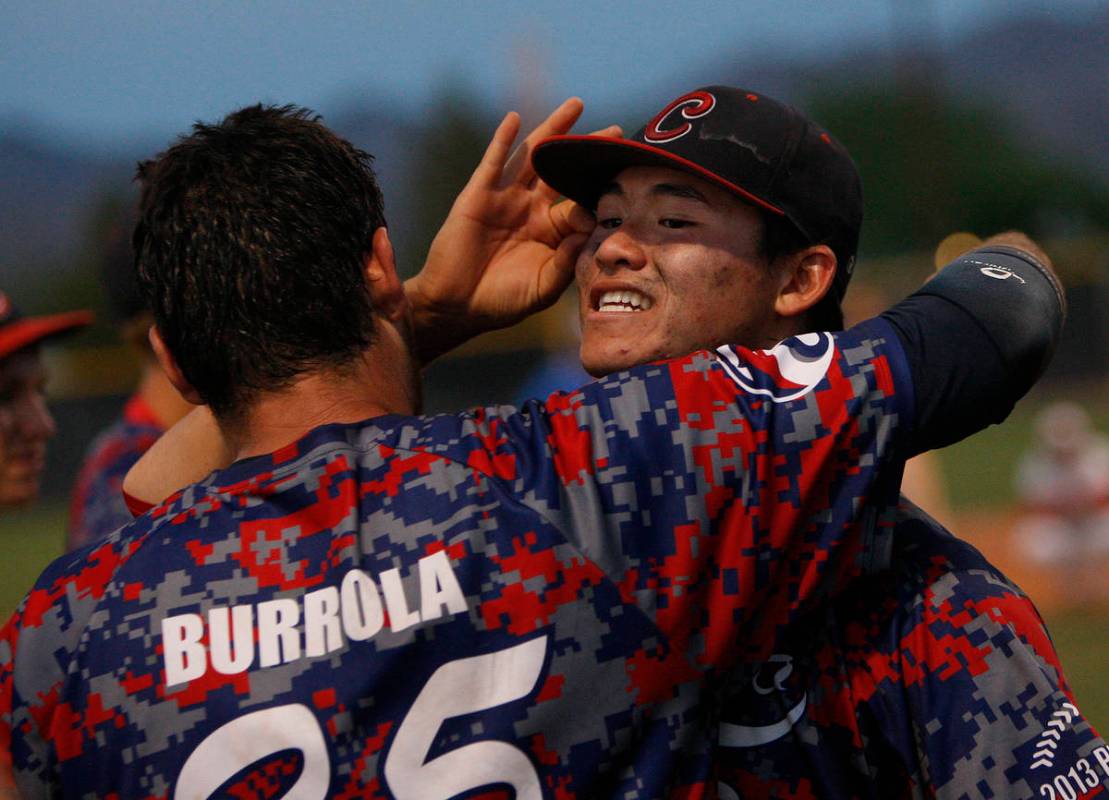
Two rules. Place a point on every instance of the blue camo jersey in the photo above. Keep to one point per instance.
(97, 506)
(544, 601)
(933, 677)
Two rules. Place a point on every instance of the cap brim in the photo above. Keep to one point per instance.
(583, 167)
(31, 330)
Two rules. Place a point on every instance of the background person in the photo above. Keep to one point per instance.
(97, 506)
(26, 425)
(905, 682)
(1062, 483)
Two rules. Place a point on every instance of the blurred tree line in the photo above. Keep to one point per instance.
(930, 165)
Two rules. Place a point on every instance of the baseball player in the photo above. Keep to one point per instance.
(932, 674)
(547, 600)
(26, 425)
(97, 507)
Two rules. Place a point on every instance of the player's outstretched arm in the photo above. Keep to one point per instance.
(977, 336)
(506, 250)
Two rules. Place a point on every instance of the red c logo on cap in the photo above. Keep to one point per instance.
(693, 106)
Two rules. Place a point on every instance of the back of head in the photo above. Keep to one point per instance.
(250, 250)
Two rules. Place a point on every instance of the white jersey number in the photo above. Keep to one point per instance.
(242, 741)
(464, 686)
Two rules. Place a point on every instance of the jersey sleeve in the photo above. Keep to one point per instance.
(988, 710)
(38, 729)
(724, 491)
(976, 337)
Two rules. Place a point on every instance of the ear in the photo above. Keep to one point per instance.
(170, 367)
(807, 277)
(386, 287)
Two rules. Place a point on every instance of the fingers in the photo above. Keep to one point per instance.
(559, 121)
(611, 130)
(559, 271)
(492, 163)
(569, 218)
(550, 194)
(953, 246)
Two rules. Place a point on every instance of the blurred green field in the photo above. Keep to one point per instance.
(979, 471)
(31, 539)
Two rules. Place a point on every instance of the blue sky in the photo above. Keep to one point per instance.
(113, 71)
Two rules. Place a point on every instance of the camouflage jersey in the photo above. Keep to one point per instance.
(933, 677)
(545, 600)
(97, 506)
(556, 602)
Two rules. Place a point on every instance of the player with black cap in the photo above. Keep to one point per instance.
(731, 217)
(564, 588)
(25, 422)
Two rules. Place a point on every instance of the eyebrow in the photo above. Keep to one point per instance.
(681, 190)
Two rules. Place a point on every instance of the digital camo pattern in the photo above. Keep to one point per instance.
(544, 601)
(932, 678)
(97, 506)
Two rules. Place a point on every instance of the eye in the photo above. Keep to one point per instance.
(609, 223)
(670, 222)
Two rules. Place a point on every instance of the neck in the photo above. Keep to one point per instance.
(369, 387)
(164, 401)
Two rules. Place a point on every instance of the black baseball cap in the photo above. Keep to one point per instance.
(766, 152)
(18, 331)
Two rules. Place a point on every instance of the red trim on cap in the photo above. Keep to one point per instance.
(686, 164)
(29, 330)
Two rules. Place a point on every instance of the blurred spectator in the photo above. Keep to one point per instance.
(25, 422)
(97, 507)
(1063, 486)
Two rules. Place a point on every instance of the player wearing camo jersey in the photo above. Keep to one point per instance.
(370, 603)
(96, 506)
(932, 674)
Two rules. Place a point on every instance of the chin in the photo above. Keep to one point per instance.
(599, 364)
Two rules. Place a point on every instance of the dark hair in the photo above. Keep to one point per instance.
(250, 251)
(116, 265)
(781, 237)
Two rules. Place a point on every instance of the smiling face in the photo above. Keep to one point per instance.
(673, 266)
(25, 427)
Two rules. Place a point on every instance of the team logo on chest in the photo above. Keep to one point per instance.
(771, 707)
(789, 370)
(687, 107)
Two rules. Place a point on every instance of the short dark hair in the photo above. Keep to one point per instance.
(250, 250)
(781, 237)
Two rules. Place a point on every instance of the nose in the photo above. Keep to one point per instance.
(621, 250)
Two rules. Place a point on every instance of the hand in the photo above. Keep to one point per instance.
(958, 244)
(1020, 241)
(506, 249)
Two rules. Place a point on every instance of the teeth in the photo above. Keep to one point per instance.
(625, 301)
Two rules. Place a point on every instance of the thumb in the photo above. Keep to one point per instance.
(568, 217)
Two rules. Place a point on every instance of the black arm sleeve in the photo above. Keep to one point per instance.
(977, 336)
